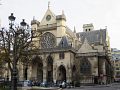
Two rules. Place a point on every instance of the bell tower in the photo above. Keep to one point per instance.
(88, 27)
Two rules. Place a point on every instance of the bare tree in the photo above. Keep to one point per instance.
(14, 43)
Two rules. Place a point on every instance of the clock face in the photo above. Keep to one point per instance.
(48, 17)
(48, 40)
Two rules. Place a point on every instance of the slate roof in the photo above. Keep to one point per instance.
(59, 17)
(93, 37)
(64, 42)
(34, 22)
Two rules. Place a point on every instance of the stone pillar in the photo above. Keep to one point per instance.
(68, 74)
(54, 73)
(44, 71)
(20, 72)
(102, 71)
(29, 72)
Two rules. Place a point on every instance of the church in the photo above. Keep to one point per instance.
(62, 54)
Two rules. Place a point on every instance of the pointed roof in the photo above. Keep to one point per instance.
(62, 16)
(64, 42)
(52, 20)
(74, 30)
(86, 48)
(34, 21)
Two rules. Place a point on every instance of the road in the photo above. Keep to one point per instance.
(114, 86)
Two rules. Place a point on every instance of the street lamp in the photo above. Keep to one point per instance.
(11, 19)
(23, 23)
(14, 70)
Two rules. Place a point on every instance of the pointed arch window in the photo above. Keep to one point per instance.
(61, 55)
(85, 67)
(62, 44)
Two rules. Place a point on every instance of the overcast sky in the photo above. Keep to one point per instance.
(101, 13)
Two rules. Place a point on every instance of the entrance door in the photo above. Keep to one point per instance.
(61, 73)
(37, 69)
(49, 69)
(25, 73)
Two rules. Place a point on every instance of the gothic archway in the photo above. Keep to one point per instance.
(37, 69)
(25, 73)
(25, 61)
(61, 76)
(49, 69)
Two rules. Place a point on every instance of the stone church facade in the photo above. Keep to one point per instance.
(61, 54)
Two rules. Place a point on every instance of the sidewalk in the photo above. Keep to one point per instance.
(93, 86)
(38, 88)
(56, 88)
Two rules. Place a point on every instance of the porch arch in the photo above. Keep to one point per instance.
(49, 69)
(61, 73)
(37, 68)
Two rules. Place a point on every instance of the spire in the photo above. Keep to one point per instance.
(0, 22)
(62, 12)
(48, 4)
(74, 30)
(63, 15)
(33, 17)
(101, 37)
(34, 21)
(106, 27)
(0, 3)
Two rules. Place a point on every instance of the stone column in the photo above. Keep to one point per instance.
(29, 72)
(20, 72)
(104, 72)
(55, 72)
(44, 71)
(68, 74)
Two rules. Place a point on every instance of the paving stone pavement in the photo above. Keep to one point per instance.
(38, 88)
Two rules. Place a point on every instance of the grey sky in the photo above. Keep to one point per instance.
(78, 12)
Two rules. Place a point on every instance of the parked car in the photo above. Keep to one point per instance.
(44, 84)
(27, 83)
(2, 79)
(20, 83)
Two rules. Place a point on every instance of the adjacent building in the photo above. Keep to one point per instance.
(116, 63)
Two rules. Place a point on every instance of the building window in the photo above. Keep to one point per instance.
(62, 44)
(117, 73)
(61, 55)
(116, 64)
(85, 67)
(117, 68)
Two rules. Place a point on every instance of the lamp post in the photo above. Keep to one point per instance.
(14, 70)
